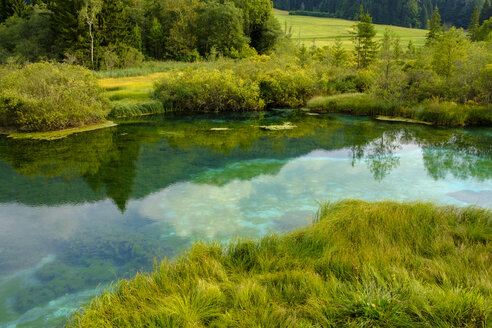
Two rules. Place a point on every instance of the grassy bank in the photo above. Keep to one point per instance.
(435, 112)
(360, 265)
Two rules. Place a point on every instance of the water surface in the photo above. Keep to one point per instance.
(80, 212)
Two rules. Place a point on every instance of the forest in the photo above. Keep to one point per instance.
(113, 33)
(251, 65)
(409, 13)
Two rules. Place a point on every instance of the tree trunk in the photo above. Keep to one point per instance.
(92, 46)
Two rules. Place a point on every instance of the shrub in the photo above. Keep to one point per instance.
(208, 90)
(44, 96)
(286, 88)
(433, 111)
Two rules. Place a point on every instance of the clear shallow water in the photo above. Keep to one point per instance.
(79, 212)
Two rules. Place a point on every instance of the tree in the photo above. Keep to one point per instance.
(390, 52)
(364, 33)
(486, 12)
(485, 84)
(449, 52)
(5, 10)
(156, 38)
(112, 24)
(434, 26)
(411, 49)
(485, 31)
(88, 15)
(220, 26)
(137, 38)
(66, 24)
(338, 54)
(18, 7)
(474, 25)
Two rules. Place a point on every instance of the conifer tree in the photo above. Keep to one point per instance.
(474, 25)
(5, 10)
(137, 38)
(338, 54)
(364, 33)
(18, 7)
(70, 34)
(434, 26)
(486, 12)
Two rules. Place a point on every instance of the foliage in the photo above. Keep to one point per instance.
(119, 34)
(286, 88)
(360, 264)
(26, 39)
(208, 90)
(45, 96)
(433, 111)
(220, 28)
(434, 26)
(365, 48)
(474, 25)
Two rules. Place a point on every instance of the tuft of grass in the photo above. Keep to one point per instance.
(131, 96)
(431, 111)
(146, 68)
(127, 108)
(360, 264)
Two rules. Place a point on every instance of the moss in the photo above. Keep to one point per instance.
(53, 135)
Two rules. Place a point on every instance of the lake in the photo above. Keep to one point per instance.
(80, 212)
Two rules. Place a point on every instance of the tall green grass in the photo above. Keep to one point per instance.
(359, 265)
(432, 111)
(145, 68)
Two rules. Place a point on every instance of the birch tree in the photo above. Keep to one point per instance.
(88, 15)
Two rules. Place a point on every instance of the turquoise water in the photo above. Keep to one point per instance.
(80, 212)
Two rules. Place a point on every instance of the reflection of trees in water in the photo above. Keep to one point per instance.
(380, 153)
(66, 158)
(138, 159)
(461, 156)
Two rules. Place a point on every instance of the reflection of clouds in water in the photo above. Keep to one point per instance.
(285, 200)
(32, 232)
(198, 208)
(58, 222)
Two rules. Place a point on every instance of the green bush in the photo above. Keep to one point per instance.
(44, 96)
(208, 90)
(433, 111)
(286, 88)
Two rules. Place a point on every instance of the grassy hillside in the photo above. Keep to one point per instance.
(360, 265)
(324, 31)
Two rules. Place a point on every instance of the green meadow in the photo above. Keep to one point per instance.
(323, 31)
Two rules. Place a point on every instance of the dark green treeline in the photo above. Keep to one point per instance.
(122, 33)
(409, 13)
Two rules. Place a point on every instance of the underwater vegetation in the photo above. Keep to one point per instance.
(359, 264)
(95, 257)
